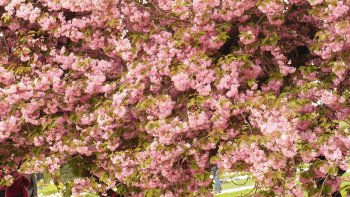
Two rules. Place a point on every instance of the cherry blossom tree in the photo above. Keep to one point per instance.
(145, 96)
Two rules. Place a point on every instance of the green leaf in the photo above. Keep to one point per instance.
(312, 191)
(121, 189)
(343, 125)
(6, 18)
(251, 83)
(75, 118)
(5, 182)
(152, 192)
(213, 158)
(46, 124)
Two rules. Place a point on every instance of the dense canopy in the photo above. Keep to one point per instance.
(146, 96)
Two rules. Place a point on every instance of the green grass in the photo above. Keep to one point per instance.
(47, 189)
(233, 194)
(237, 184)
(230, 185)
(344, 183)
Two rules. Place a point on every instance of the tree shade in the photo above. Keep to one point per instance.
(146, 96)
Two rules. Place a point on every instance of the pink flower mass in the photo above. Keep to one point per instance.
(147, 96)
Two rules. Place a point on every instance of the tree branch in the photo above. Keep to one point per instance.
(157, 12)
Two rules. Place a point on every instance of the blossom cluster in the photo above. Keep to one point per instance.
(146, 96)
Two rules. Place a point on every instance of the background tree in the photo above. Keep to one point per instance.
(146, 95)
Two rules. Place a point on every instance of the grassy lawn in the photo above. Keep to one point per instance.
(230, 185)
(237, 184)
(240, 193)
(47, 189)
